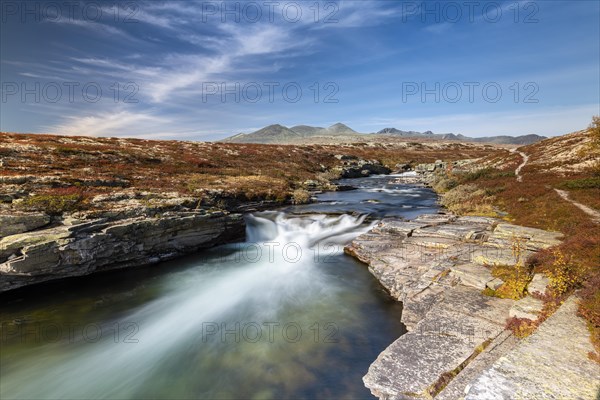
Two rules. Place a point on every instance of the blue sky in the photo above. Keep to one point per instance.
(206, 70)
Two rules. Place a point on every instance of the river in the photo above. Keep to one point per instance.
(283, 315)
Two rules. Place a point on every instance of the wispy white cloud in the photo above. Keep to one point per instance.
(356, 14)
(120, 123)
(92, 26)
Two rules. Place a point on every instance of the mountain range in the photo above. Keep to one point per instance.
(279, 134)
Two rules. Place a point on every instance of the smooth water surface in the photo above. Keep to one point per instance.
(378, 196)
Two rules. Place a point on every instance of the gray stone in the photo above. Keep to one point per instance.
(452, 231)
(473, 275)
(493, 256)
(435, 219)
(476, 220)
(410, 365)
(429, 241)
(495, 283)
(398, 227)
(19, 223)
(16, 243)
(459, 386)
(449, 334)
(471, 302)
(538, 284)
(527, 307)
(534, 239)
(552, 363)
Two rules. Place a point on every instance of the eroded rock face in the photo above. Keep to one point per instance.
(99, 245)
(438, 265)
(19, 223)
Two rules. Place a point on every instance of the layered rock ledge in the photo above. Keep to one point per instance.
(438, 266)
(83, 248)
(552, 363)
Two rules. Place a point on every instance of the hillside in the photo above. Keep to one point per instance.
(282, 134)
(269, 134)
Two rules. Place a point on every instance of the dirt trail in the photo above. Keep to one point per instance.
(563, 194)
(524, 163)
(589, 211)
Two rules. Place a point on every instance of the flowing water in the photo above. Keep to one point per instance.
(284, 315)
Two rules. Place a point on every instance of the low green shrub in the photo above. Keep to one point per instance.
(55, 201)
(584, 183)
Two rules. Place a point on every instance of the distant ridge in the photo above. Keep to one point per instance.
(279, 134)
(520, 140)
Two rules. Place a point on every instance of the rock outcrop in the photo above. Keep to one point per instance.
(437, 265)
(358, 168)
(100, 245)
(552, 363)
(22, 222)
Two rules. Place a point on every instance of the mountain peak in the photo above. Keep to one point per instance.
(340, 128)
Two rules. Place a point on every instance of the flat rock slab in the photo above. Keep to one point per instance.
(474, 275)
(538, 284)
(398, 227)
(490, 256)
(486, 221)
(19, 223)
(436, 265)
(527, 307)
(458, 387)
(446, 337)
(471, 302)
(536, 239)
(552, 363)
(452, 231)
(430, 241)
(410, 365)
(435, 219)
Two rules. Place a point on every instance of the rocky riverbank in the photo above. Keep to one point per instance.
(82, 247)
(439, 267)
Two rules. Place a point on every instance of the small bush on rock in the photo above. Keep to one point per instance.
(300, 196)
